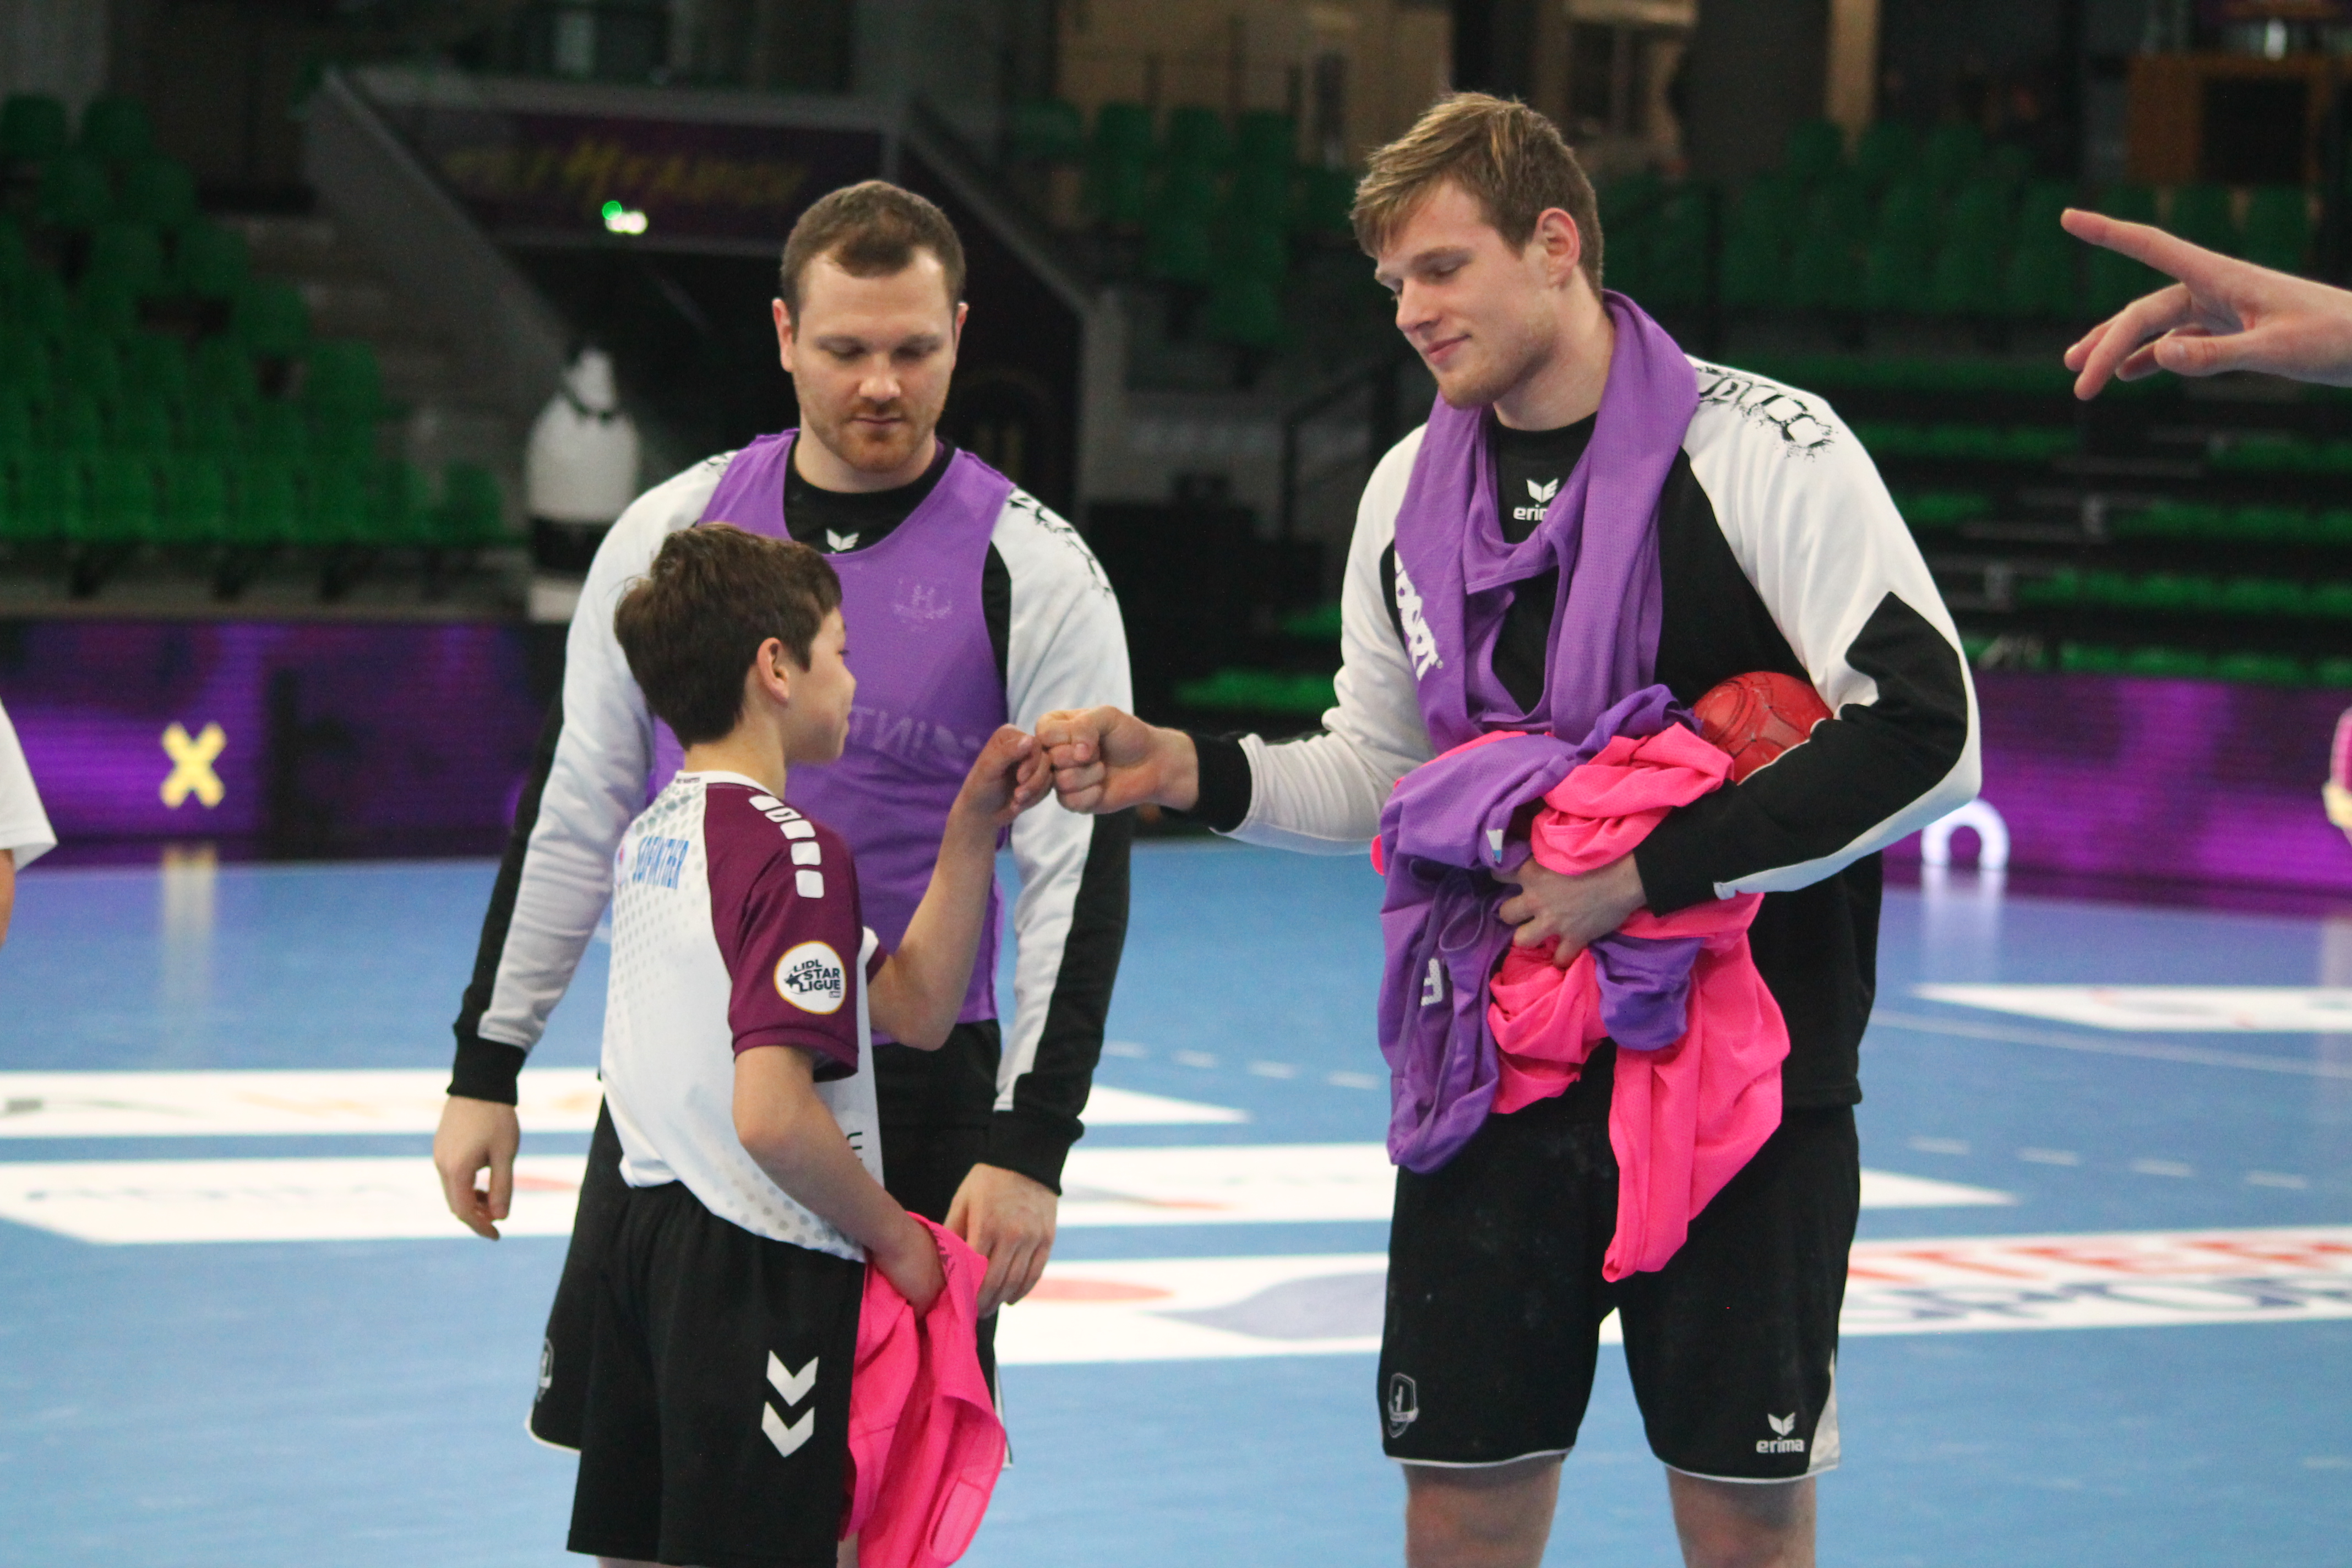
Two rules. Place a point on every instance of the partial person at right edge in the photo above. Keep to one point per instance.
(1582, 485)
(24, 832)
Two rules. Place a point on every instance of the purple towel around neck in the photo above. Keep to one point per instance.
(1450, 824)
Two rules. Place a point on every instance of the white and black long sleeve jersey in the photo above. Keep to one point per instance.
(1779, 548)
(1054, 626)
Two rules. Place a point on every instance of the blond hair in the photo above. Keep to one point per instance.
(1509, 158)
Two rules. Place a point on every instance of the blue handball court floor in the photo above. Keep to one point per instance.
(2100, 1310)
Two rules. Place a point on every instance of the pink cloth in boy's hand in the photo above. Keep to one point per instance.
(925, 1444)
(1684, 1120)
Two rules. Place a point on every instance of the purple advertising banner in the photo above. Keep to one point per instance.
(2194, 781)
(309, 737)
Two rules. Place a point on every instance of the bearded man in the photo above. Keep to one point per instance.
(1590, 514)
(970, 606)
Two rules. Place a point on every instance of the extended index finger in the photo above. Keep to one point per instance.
(2167, 253)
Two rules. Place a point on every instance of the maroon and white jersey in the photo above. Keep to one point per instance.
(736, 925)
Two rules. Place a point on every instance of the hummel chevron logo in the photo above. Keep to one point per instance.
(794, 1385)
(787, 1440)
(1543, 493)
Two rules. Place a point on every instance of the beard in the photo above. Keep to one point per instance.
(866, 448)
(1500, 359)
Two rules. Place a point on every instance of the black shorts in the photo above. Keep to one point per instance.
(715, 1425)
(927, 1165)
(1496, 1299)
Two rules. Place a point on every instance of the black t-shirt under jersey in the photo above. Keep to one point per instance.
(1530, 465)
(835, 522)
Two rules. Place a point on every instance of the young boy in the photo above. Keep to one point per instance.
(738, 1069)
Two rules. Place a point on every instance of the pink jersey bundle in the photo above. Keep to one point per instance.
(1684, 1118)
(925, 1444)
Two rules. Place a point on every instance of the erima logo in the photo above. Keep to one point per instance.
(1542, 495)
(1419, 644)
(1781, 1442)
(840, 540)
(1433, 984)
(1403, 1404)
(811, 977)
(794, 1387)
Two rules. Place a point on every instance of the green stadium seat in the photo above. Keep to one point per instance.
(2333, 527)
(76, 425)
(2263, 455)
(2168, 664)
(2008, 165)
(141, 424)
(268, 510)
(196, 508)
(2259, 598)
(1980, 214)
(2332, 601)
(2259, 669)
(1244, 310)
(1816, 151)
(2278, 228)
(161, 191)
(2039, 284)
(41, 304)
(2039, 206)
(472, 510)
(89, 365)
(1259, 194)
(16, 421)
(1755, 275)
(156, 364)
(1968, 279)
(1119, 188)
(1124, 129)
(126, 256)
(1178, 249)
(1825, 271)
(215, 427)
(1255, 250)
(341, 377)
(1951, 154)
(343, 436)
(1045, 130)
(209, 261)
(2090, 659)
(123, 509)
(114, 127)
(52, 496)
(1197, 136)
(1886, 154)
(1937, 512)
(277, 430)
(2133, 204)
(1327, 200)
(107, 307)
(75, 191)
(34, 127)
(270, 318)
(2112, 281)
(1769, 211)
(404, 505)
(1265, 137)
(1674, 266)
(2201, 215)
(2064, 586)
(341, 510)
(1897, 271)
(221, 369)
(16, 260)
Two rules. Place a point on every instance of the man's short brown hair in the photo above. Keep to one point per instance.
(1509, 158)
(692, 627)
(871, 229)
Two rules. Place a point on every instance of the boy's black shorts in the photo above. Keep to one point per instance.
(1495, 1299)
(929, 1165)
(715, 1423)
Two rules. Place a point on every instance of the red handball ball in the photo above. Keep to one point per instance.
(1758, 716)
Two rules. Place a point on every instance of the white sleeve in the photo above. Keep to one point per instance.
(596, 784)
(24, 827)
(1065, 648)
(1323, 795)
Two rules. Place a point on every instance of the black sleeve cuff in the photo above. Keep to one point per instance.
(486, 1070)
(1225, 784)
(1033, 1144)
(1673, 861)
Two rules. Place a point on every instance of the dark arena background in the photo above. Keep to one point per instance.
(286, 288)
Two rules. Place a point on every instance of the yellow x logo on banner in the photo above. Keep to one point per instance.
(192, 766)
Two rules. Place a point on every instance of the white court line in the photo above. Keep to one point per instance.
(382, 1197)
(2007, 1035)
(2156, 1009)
(1191, 1308)
(364, 1100)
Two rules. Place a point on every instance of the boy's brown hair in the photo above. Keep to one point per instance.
(871, 229)
(692, 627)
(1509, 158)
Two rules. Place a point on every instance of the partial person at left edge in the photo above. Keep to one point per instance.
(24, 832)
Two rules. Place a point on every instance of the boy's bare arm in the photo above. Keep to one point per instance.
(920, 988)
(791, 1134)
